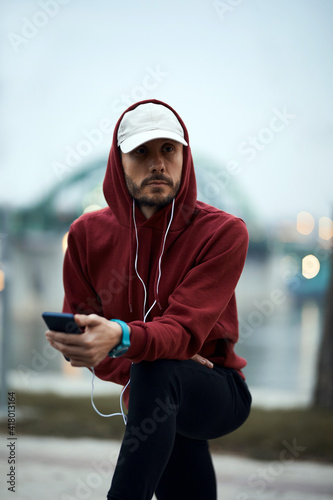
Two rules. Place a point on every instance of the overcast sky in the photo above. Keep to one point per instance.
(252, 80)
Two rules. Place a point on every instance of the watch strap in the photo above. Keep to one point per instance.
(125, 340)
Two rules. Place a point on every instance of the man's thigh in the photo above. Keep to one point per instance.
(213, 401)
(209, 402)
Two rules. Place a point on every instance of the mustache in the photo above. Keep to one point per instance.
(156, 177)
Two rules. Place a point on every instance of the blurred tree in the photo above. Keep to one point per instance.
(323, 393)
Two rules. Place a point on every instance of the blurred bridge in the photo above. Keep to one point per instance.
(33, 241)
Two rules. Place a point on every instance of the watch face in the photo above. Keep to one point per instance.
(119, 351)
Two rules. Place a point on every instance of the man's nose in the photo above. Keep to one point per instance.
(157, 164)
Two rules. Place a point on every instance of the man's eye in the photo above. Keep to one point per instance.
(168, 148)
(141, 150)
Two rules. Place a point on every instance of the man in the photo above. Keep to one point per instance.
(163, 267)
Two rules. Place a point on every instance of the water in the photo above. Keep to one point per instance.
(279, 337)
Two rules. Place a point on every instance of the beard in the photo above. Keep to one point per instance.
(156, 198)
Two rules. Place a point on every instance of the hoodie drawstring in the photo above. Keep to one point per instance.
(136, 262)
(162, 252)
(130, 278)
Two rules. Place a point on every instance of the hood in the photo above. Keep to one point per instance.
(120, 201)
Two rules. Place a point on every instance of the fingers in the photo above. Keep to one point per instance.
(88, 319)
(63, 338)
(202, 361)
(81, 349)
(78, 354)
(62, 343)
(68, 344)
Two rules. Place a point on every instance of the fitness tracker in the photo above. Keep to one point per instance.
(124, 344)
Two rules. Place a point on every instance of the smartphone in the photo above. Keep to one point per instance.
(61, 322)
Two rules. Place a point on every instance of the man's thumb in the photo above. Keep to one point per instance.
(86, 319)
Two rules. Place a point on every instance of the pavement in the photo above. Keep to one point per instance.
(81, 469)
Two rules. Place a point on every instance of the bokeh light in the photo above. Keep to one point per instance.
(325, 228)
(305, 223)
(310, 266)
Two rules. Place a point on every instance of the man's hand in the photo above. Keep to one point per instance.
(91, 347)
(202, 361)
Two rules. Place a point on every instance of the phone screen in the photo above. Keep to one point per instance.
(61, 322)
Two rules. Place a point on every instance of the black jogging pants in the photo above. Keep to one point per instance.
(175, 407)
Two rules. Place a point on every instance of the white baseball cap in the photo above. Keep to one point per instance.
(146, 122)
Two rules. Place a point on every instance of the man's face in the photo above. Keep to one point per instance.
(153, 173)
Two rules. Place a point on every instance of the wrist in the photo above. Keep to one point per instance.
(117, 332)
(124, 339)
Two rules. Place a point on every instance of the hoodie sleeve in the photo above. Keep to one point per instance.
(80, 297)
(197, 303)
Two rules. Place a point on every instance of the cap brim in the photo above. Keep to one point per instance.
(136, 140)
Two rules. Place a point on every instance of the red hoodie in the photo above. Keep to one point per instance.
(203, 257)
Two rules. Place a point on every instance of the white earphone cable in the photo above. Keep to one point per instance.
(145, 314)
(136, 263)
(121, 400)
